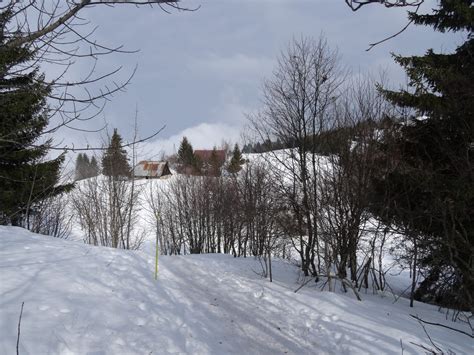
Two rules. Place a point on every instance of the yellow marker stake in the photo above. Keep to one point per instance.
(156, 263)
(156, 258)
(156, 251)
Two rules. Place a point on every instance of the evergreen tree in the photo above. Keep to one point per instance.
(25, 176)
(86, 168)
(79, 172)
(93, 167)
(247, 148)
(267, 145)
(215, 163)
(428, 186)
(115, 160)
(186, 158)
(236, 161)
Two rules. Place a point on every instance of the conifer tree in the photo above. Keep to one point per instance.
(247, 148)
(115, 160)
(215, 163)
(93, 167)
(428, 186)
(85, 167)
(236, 161)
(78, 173)
(186, 157)
(25, 175)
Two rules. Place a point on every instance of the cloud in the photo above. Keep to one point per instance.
(231, 107)
(203, 69)
(226, 123)
(237, 67)
(203, 136)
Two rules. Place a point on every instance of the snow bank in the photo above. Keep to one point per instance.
(81, 299)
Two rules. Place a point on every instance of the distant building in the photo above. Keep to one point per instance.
(148, 169)
(205, 155)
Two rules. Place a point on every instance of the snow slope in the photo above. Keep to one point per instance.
(80, 299)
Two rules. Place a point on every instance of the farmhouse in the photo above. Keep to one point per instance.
(148, 169)
(206, 155)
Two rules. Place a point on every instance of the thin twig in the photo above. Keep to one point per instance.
(19, 325)
(431, 340)
(372, 45)
(304, 284)
(441, 325)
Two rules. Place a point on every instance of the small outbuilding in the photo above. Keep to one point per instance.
(148, 169)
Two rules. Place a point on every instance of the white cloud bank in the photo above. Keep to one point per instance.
(203, 136)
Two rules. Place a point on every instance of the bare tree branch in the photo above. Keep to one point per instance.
(19, 327)
(74, 8)
(357, 4)
(372, 45)
(441, 325)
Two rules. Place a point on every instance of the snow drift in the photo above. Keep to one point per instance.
(81, 299)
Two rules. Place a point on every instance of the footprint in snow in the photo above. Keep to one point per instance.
(43, 308)
(64, 310)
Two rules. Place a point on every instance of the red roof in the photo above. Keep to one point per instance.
(205, 155)
(149, 168)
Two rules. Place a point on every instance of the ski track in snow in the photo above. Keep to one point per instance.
(81, 299)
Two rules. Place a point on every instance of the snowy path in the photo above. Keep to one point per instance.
(87, 300)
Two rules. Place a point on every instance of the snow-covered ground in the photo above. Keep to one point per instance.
(80, 299)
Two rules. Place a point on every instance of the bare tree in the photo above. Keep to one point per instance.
(107, 211)
(162, 220)
(259, 209)
(345, 185)
(50, 216)
(298, 105)
(235, 214)
(108, 208)
(56, 35)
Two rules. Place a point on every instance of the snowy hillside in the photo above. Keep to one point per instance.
(80, 299)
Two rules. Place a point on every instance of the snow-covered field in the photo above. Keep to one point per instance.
(80, 299)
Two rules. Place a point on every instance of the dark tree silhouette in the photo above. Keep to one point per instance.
(115, 160)
(25, 176)
(428, 185)
(236, 161)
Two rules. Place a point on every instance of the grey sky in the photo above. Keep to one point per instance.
(200, 72)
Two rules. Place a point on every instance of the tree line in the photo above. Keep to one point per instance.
(188, 162)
